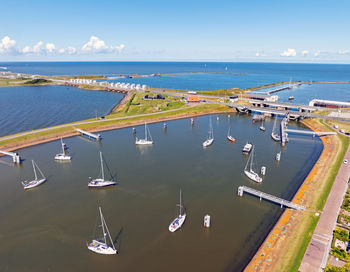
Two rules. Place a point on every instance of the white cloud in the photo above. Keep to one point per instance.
(305, 53)
(70, 50)
(50, 48)
(260, 54)
(7, 45)
(344, 52)
(317, 53)
(96, 45)
(289, 53)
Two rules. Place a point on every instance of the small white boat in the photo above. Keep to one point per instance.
(247, 148)
(291, 98)
(263, 170)
(192, 121)
(178, 221)
(206, 222)
(209, 141)
(100, 245)
(147, 140)
(229, 137)
(262, 128)
(274, 134)
(250, 173)
(37, 181)
(101, 182)
(63, 156)
(278, 156)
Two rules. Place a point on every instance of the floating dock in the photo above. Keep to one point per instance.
(308, 132)
(90, 135)
(275, 199)
(15, 157)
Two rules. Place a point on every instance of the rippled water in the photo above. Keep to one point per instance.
(27, 108)
(45, 229)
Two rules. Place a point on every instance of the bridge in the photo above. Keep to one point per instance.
(275, 199)
(90, 135)
(15, 157)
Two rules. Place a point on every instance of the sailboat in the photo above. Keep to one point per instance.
(210, 138)
(63, 156)
(101, 182)
(274, 134)
(100, 245)
(145, 141)
(178, 221)
(229, 137)
(262, 126)
(249, 171)
(37, 181)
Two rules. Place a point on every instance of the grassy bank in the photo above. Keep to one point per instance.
(110, 122)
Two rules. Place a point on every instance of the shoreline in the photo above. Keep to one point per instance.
(57, 136)
(270, 256)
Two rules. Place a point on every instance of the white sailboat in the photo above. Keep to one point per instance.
(100, 245)
(262, 126)
(63, 156)
(274, 134)
(249, 169)
(229, 136)
(101, 182)
(209, 141)
(146, 140)
(37, 181)
(178, 221)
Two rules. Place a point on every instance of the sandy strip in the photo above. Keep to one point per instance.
(276, 250)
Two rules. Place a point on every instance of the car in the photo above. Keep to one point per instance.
(345, 161)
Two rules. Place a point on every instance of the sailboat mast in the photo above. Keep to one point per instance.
(145, 131)
(103, 227)
(109, 235)
(180, 201)
(251, 161)
(36, 177)
(103, 174)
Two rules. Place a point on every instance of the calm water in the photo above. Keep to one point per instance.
(45, 229)
(256, 73)
(304, 93)
(26, 108)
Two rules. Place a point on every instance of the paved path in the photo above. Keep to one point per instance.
(316, 255)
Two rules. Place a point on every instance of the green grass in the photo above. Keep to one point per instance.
(37, 81)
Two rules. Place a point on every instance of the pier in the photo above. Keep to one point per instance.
(313, 133)
(15, 157)
(284, 88)
(90, 135)
(275, 199)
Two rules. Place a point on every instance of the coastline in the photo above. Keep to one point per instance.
(57, 136)
(295, 228)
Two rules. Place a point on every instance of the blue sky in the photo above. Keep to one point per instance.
(250, 30)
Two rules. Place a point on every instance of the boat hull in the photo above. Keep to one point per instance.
(208, 142)
(275, 137)
(247, 148)
(253, 176)
(99, 183)
(33, 183)
(101, 248)
(231, 139)
(177, 223)
(143, 142)
(62, 157)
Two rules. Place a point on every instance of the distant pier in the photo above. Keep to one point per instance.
(90, 135)
(15, 157)
(275, 199)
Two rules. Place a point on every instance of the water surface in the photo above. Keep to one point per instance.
(46, 228)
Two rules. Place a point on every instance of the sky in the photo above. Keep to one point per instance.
(191, 30)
